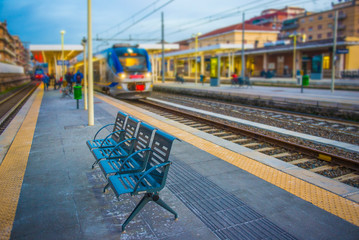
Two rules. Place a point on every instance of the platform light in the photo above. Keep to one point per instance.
(148, 75)
(83, 43)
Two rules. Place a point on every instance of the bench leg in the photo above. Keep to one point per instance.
(140, 205)
(93, 165)
(165, 206)
(148, 197)
(105, 188)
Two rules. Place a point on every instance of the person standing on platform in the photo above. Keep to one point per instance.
(78, 77)
(202, 78)
(68, 78)
(46, 81)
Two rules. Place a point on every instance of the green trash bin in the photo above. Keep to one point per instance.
(305, 80)
(78, 92)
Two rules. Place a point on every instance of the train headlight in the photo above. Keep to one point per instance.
(122, 75)
(148, 75)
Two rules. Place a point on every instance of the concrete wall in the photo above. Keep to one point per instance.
(9, 68)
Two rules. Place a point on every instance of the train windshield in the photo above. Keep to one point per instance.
(132, 59)
(133, 64)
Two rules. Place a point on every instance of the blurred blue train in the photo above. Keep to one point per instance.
(122, 71)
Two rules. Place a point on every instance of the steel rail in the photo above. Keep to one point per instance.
(329, 157)
(8, 113)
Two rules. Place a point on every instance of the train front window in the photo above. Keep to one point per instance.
(133, 64)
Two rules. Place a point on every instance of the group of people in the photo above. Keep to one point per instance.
(69, 77)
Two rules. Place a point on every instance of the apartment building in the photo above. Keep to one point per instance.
(273, 18)
(319, 26)
(7, 46)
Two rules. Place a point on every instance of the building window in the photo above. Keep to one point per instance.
(310, 29)
(330, 26)
(330, 15)
(319, 36)
(320, 17)
(310, 37)
(302, 30)
(319, 27)
(302, 21)
(311, 19)
(329, 34)
(357, 30)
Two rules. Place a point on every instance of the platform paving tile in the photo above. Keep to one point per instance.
(218, 209)
(62, 196)
(209, 206)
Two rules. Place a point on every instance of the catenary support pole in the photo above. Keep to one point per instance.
(163, 49)
(334, 50)
(242, 52)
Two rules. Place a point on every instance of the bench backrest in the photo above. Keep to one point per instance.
(143, 140)
(131, 128)
(119, 125)
(161, 148)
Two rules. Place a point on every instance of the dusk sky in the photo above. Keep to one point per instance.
(40, 21)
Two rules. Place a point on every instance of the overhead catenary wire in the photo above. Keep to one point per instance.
(144, 17)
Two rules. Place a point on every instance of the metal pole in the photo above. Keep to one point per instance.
(294, 56)
(85, 78)
(195, 61)
(62, 54)
(242, 52)
(163, 49)
(90, 71)
(334, 50)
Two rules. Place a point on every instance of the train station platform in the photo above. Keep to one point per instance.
(343, 102)
(49, 191)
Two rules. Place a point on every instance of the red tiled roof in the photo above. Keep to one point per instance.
(238, 26)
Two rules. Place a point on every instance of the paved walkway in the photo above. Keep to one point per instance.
(61, 197)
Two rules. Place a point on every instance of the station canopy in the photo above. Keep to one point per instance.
(51, 53)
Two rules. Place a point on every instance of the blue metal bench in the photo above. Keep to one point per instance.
(123, 148)
(113, 138)
(149, 182)
(137, 161)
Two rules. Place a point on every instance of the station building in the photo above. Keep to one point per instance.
(268, 49)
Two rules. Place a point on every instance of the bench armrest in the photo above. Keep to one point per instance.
(119, 144)
(110, 135)
(148, 172)
(102, 129)
(133, 154)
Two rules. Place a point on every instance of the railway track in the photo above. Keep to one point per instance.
(12, 102)
(341, 130)
(342, 167)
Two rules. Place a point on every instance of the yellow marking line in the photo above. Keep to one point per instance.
(330, 202)
(12, 169)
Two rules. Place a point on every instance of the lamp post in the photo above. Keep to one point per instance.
(294, 36)
(83, 42)
(91, 117)
(196, 49)
(62, 53)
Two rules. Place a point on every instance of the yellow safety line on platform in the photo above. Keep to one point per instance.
(328, 201)
(12, 169)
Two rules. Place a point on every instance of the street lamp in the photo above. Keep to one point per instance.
(294, 36)
(83, 43)
(91, 117)
(62, 54)
(196, 48)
